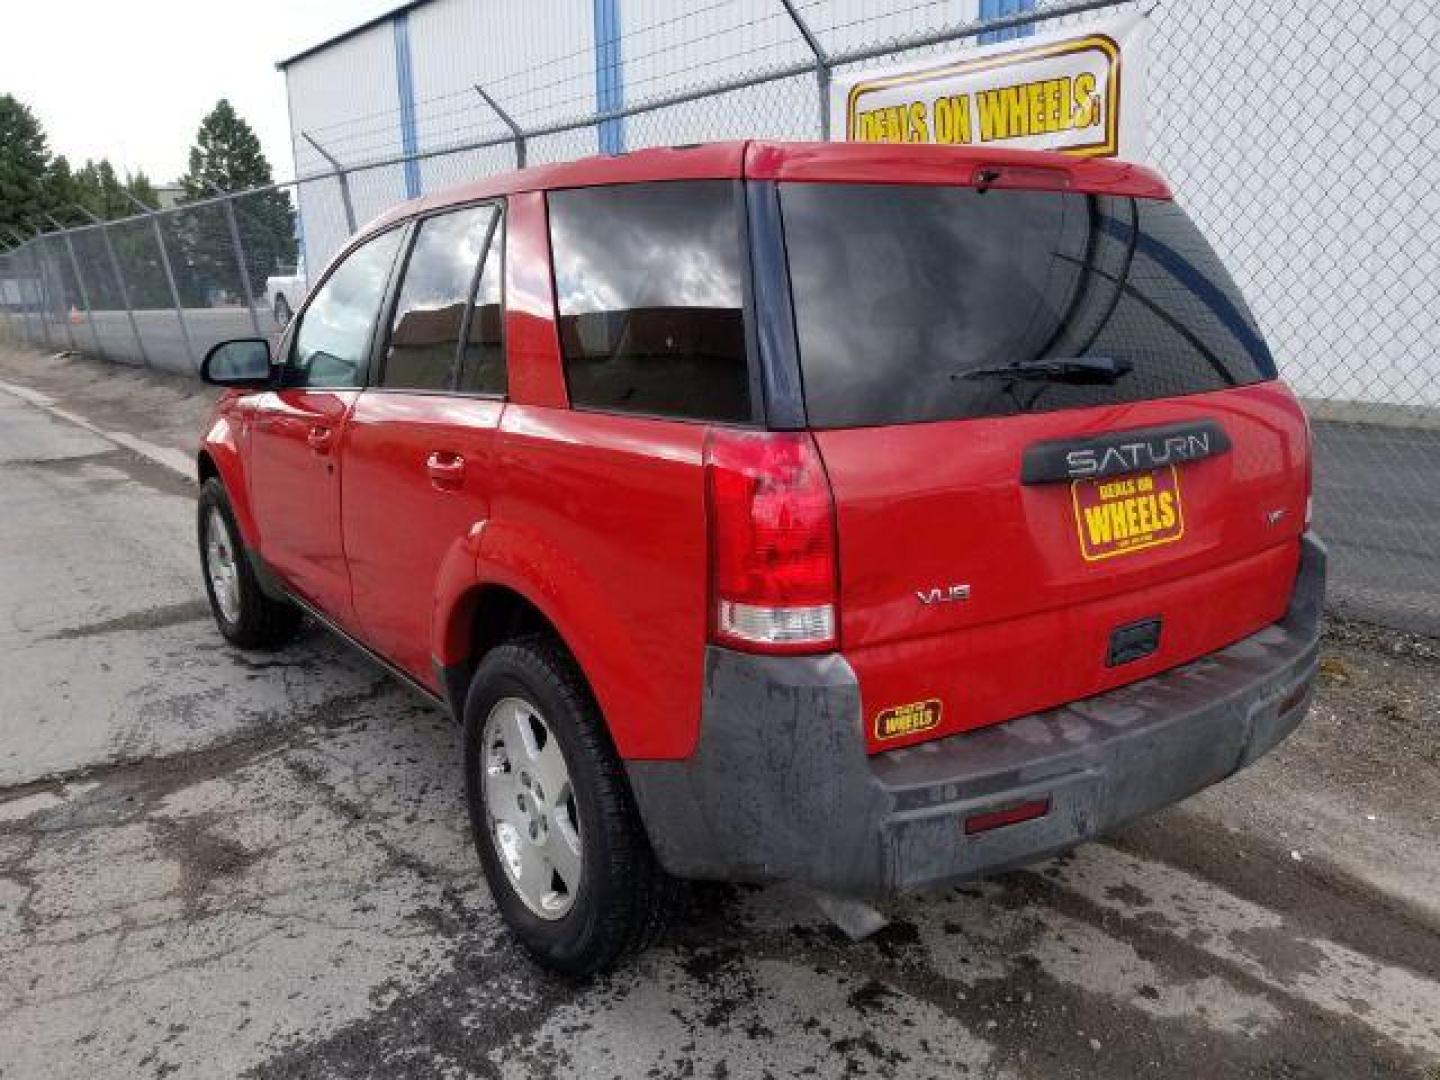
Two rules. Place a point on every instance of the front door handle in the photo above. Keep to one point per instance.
(320, 438)
(445, 469)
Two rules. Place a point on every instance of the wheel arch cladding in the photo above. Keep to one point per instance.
(474, 620)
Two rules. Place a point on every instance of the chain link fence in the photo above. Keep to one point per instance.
(1294, 133)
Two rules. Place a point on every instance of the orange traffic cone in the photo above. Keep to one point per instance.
(75, 317)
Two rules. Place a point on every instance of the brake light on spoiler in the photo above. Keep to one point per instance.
(1025, 177)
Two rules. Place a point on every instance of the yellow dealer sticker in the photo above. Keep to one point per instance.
(902, 720)
(1120, 515)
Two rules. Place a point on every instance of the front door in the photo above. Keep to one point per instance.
(296, 430)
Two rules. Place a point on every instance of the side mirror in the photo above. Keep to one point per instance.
(244, 362)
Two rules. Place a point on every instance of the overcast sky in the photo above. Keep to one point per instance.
(131, 79)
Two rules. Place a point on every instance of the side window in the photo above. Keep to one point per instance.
(429, 314)
(483, 365)
(333, 338)
(651, 298)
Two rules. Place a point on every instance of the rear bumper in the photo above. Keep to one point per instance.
(780, 786)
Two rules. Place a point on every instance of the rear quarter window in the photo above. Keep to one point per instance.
(908, 298)
(650, 295)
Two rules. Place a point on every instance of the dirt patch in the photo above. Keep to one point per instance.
(1380, 698)
(158, 406)
(165, 615)
(205, 855)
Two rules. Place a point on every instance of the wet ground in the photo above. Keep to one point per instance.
(217, 864)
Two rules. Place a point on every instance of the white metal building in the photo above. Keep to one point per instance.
(405, 82)
(1283, 126)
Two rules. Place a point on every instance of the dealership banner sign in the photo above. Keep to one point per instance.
(1076, 90)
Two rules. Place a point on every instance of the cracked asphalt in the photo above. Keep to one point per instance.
(214, 864)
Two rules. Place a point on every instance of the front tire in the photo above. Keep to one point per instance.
(558, 835)
(245, 615)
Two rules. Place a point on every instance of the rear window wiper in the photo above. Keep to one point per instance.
(1101, 370)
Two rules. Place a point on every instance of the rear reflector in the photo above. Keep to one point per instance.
(1010, 815)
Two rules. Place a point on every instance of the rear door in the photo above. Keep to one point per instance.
(419, 448)
(1060, 458)
(296, 430)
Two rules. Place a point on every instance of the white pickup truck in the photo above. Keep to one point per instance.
(285, 292)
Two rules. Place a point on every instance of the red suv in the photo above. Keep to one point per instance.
(868, 517)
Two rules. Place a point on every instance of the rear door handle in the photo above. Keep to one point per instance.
(320, 438)
(445, 469)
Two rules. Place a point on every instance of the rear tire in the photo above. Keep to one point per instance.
(246, 616)
(602, 895)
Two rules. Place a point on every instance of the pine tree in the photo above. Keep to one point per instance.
(62, 188)
(24, 158)
(138, 185)
(227, 157)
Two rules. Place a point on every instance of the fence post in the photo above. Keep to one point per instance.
(234, 226)
(340, 175)
(22, 244)
(505, 118)
(42, 292)
(119, 280)
(7, 262)
(80, 284)
(822, 66)
(169, 277)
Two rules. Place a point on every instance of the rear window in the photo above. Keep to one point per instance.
(439, 275)
(914, 303)
(650, 292)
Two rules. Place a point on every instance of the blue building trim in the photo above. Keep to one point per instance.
(609, 75)
(405, 85)
(996, 9)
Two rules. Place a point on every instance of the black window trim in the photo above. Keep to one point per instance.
(457, 368)
(747, 315)
(290, 339)
(777, 348)
(381, 339)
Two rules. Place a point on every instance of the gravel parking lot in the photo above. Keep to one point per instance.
(215, 864)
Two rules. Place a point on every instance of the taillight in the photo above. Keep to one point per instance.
(772, 542)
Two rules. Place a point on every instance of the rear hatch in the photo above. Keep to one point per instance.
(1060, 457)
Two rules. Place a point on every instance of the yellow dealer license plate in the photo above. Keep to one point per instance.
(1120, 515)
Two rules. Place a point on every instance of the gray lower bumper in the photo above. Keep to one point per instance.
(780, 786)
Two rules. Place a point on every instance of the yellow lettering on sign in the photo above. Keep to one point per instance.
(952, 119)
(1042, 107)
(1129, 509)
(1097, 522)
(919, 132)
(1087, 101)
(1016, 108)
(1167, 509)
(906, 123)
